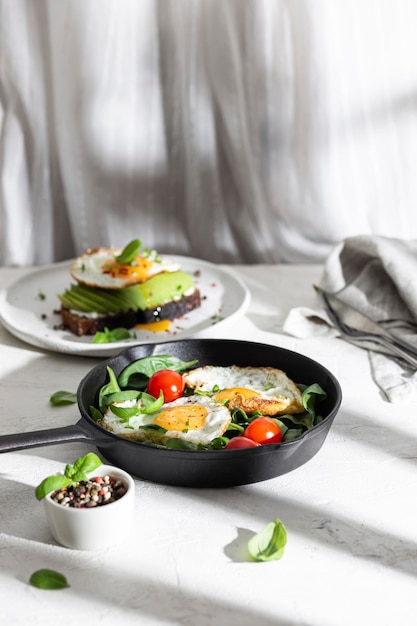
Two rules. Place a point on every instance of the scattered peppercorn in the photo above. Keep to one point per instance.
(90, 493)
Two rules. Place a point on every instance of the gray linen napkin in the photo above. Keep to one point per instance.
(378, 276)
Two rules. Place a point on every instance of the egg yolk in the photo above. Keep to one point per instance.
(155, 327)
(139, 268)
(228, 394)
(182, 418)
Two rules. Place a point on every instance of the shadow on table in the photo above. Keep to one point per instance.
(113, 592)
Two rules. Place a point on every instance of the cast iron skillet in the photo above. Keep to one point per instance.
(192, 468)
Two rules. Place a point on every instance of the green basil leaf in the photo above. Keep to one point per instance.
(86, 464)
(148, 365)
(111, 336)
(130, 252)
(118, 334)
(60, 398)
(69, 471)
(48, 579)
(269, 543)
(50, 484)
(101, 336)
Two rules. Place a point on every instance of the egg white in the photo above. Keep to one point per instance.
(94, 268)
(216, 422)
(273, 391)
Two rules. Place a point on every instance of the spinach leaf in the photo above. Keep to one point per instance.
(148, 365)
(217, 443)
(148, 404)
(299, 419)
(153, 427)
(124, 413)
(111, 387)
(180, 444)
(95, 414)
(118, 396)
(282, 426)
(311, 395)
(293, 433)
(269, 543)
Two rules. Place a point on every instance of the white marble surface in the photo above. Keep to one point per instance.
(350, 513)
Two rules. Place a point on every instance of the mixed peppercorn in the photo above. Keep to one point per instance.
(87, 494)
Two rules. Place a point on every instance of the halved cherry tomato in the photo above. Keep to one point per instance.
(263, 430)
(240, 442)
(171, 384)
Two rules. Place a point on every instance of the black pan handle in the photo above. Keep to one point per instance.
(47, 437)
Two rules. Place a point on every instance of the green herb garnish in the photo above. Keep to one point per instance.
(48, 579)
(72, 474)
(130, 252)
(111, 336)
(269, 543)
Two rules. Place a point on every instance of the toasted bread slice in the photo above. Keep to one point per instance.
(80, 324)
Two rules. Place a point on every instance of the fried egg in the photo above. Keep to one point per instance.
(264, 389)
(98, 267)
(197, 419)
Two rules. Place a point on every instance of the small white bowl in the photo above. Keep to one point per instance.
(93, 528)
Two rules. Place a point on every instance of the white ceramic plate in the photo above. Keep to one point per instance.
(27, 309)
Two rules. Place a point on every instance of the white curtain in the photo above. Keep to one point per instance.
(237, 131)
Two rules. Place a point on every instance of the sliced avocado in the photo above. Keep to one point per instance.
(154, 292)
(165, 287)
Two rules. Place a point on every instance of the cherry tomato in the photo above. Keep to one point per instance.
(169, 382)
(263, 430)
(240, 442)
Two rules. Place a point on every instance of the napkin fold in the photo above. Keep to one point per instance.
(378, 276)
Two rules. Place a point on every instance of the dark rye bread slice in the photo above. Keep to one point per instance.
(80, 325)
